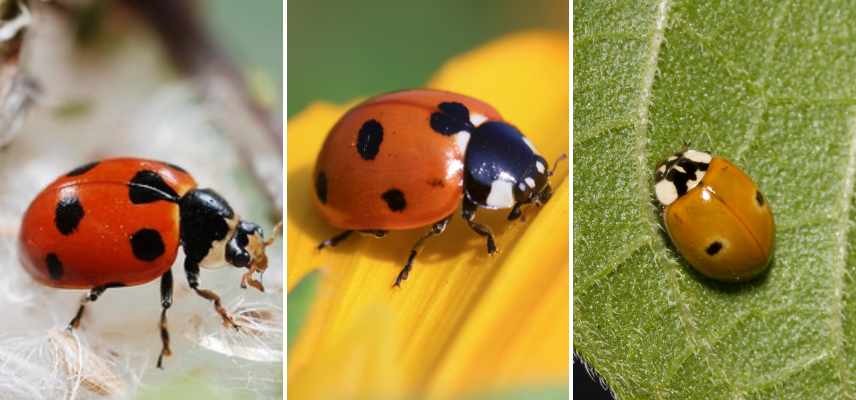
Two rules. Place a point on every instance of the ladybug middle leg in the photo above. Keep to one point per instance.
(93, 295)
(166, 302)
(192, 270)
(333, 241)
(436, 229)
(468, 211)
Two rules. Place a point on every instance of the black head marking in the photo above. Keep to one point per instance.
(713, 248)
(451, 119)
(175, 167)
(148, 186)
(759, 198)
(394, 198)
(54, 266)
(68, 214)
(82, 169)
(236, 250)
(369, 139)
(147, 244)
(321, 187)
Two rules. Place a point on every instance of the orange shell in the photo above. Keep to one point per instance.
(98, 250)
(726, 207)
(425, 166)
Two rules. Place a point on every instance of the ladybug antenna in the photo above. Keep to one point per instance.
(556, 163)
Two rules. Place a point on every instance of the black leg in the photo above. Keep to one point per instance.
(192, 271)
(436, 229)
(516, 211)
(468, 211)
(91, 296)
(166, 302)
(335, 239)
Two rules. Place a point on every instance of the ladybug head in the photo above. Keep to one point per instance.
(246, 249)
(541, 191)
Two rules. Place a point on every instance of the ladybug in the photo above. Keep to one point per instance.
(715, 215)
(407, 159)
(119, 222)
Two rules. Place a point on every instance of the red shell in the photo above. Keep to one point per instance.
(424, 167)
(102, 237)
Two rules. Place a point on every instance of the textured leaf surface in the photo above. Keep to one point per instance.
(770, 86)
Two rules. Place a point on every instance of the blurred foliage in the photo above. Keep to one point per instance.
(251, 31)
(393, 44)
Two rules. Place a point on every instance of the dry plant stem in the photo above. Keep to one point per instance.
(196, 52)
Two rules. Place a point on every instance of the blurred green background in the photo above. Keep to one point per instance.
(339, 50)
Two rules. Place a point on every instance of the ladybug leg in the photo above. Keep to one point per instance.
(516, 211)
(91, 296)
(166, 302)
(436, 229)
(332, 242)
(468, 211)
(192, 270)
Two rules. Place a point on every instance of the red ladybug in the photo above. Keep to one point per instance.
(406, 159)
(120, 222)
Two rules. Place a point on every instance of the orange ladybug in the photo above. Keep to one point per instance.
(119, 222)
(407, 159)
(715, 215)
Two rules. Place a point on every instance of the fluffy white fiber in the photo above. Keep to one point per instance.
(127, 102)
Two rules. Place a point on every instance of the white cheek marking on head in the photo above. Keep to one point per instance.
(680, 169)
(530, 182)
(662, 169)
(462, 138)
(672, 158)
(698, 156)
(501, 195)
(522, 187)
(541, 167)
(666, 192)
(477, 119)
(531, 146)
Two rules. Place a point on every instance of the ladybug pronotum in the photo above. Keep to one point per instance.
(119, 222)
(407, 159)
(715, 215)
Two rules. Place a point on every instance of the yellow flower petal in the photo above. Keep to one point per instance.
(460, 307)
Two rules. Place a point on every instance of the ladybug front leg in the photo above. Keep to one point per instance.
(192, 270)
(468, 211)
(436, 229)
(91, 296)
(166, 302)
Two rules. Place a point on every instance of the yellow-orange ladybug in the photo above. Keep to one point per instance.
(715, 215)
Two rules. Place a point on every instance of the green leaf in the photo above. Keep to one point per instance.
(770, 86)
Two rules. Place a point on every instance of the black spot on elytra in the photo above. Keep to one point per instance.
(451, 119)
(68, 214)
(54, 266)
(82, 169)
(437, 183)
(713, 248)
(175, 167)
(759, 198)
(147, 244)
(369, 139)
(147, 186)
(321, 186)
(394, 198)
